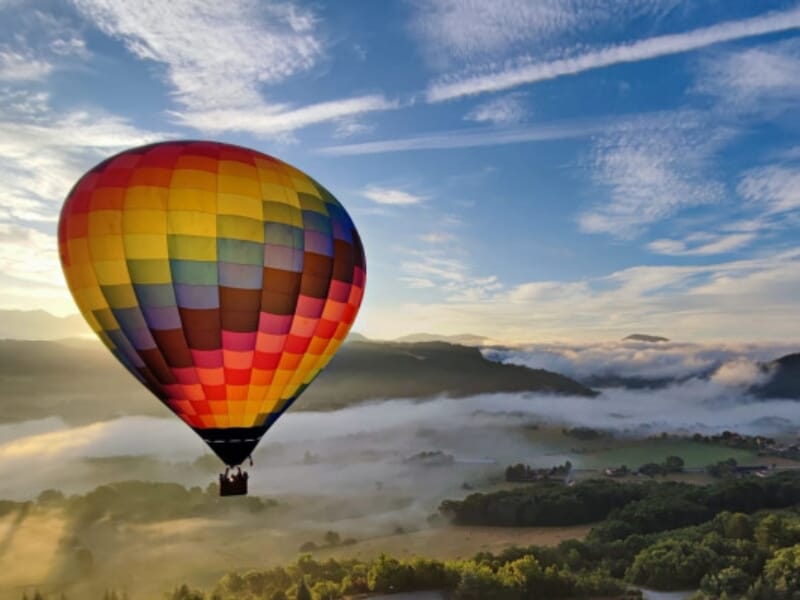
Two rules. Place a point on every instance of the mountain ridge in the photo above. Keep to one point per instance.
(82, 382)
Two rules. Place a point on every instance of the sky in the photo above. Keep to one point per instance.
(533, 170)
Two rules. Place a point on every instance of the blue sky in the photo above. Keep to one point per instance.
(525, 170)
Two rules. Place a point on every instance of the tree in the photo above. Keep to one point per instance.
(326, 590)
(671, 564)
(674, 464)
(732, 581)
(771, 532)
(782, 571)
(736, 526)
(308, 546)
(332, 538)
(302, 591)
(390, 575)
(479, 582)
(652, 469)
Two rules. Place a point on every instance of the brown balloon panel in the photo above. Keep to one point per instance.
(220, 277)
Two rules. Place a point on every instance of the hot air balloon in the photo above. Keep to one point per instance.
(222, 278)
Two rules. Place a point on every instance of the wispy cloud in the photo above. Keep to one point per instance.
(776, 188)
(651, 176)
(384, 195)
(29, 255)
(437, 237)
(37, 43)
(279, 119)
(763, 79)
(750, 299)
(244, 46)
(16, 65)
(529, 71)
(449, 274)
(470, 138)
(505, 110)
(701, 244)
(731, 364)
(465, 30)
(216, 55)
(42, 153)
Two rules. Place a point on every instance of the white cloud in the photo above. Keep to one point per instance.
(218, 57)
(42, 154)
(529, 71)
(470, 138)
(437, 237)
(40, 43)
(350, 126)
(464, 30)
(751, 299)
(29, 255)
(701, 244)
(764, 79)
(501, 111)
(384, 195)
(732, 365)
(775, 187)
(269, 119)
(447, 272)
(653, 175)
(741, 373)
(216, 54)
(18, 66)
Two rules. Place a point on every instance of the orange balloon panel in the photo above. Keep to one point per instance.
(222, 278)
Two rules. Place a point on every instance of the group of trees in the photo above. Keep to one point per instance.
(735, 440)
(730, 555)
(730, 539)
(141, 501)
(639, 507)
(672, 464)
(586, 433)
(521, 472)
(511, 577)
(331, 539)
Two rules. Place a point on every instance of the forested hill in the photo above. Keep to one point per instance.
(785, 383)
(390, 370)
(81, 382)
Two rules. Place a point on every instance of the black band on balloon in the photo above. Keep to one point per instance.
(232, 445)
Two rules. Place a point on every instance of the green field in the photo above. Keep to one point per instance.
(636, 453)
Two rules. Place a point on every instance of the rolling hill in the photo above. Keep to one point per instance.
(40, 325)
(81, 382)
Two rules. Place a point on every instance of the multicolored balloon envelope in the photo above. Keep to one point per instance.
(222, 278)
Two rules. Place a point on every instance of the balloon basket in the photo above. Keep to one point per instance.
(234, 485)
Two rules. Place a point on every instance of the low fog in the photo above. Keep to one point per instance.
(643, 360)
(362, 449)
(354, 459)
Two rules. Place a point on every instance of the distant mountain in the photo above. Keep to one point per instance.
(465, 339)
(40, 325)
(356, 337)
(785, 383)
(642, 337)
(83, 383)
